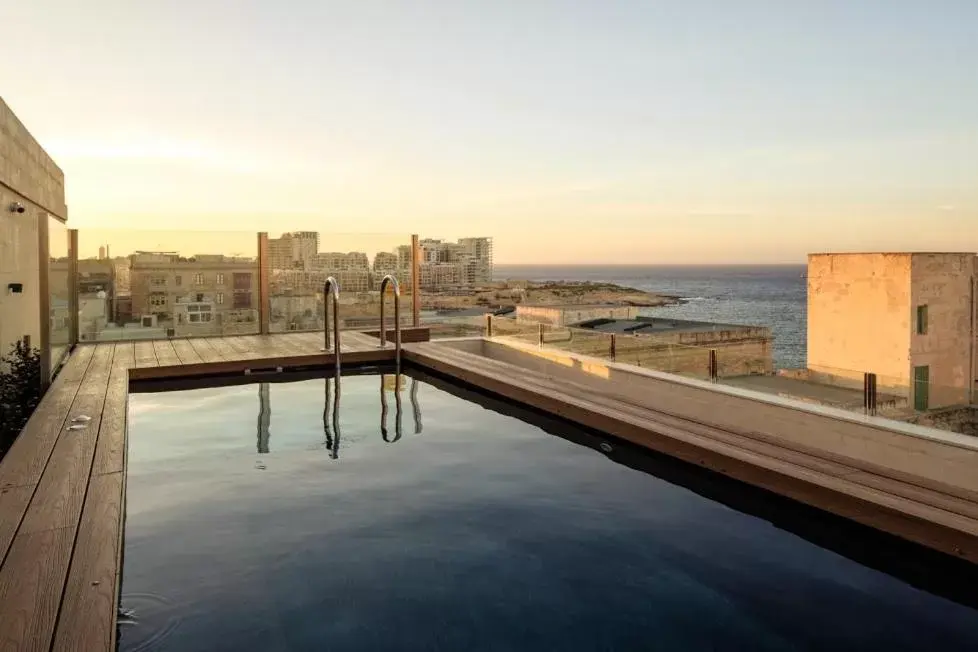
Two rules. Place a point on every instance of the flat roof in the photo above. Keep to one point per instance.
(894, 253)
(657, 325)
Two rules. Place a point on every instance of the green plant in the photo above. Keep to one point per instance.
(20, 391)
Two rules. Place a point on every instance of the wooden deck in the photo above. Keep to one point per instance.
(62, 490)
(727, 435)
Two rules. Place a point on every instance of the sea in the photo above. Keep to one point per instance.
(757, 295)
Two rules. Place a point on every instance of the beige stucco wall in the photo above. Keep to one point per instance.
(943, 282)
(859, 315)
(30, 177)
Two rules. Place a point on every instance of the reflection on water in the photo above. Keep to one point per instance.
(485, 533)
(389, 383)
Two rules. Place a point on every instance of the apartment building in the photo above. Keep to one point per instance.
(385, 263)
(32, 233)
(295, 250)
(467, 262)
(910, 318)
(201, 295)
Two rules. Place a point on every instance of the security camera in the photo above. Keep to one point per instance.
(17, 207)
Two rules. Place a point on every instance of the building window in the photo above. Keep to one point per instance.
(921, 320)
(242, 300)
(178, 279)
(220, 279)
(157, 300)
(157, 280)
(198, 313)
(241, 281)
(198, 279)
(220, 297)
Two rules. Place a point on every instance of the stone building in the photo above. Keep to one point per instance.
(201, 295)
(910, 318)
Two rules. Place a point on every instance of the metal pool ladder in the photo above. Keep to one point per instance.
(390, 280)
(331, 291)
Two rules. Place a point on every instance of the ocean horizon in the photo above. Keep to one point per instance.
(754, 295)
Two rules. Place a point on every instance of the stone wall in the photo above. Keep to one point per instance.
(859, 316)
(943, 283)
(27, 176)
(27, 170)
(567, 315)
(963, 420)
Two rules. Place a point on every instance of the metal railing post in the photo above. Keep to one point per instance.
(489, 325)
(264, 301)
(540, 335)
(869, 393)
(714, 367)
(73, 288)
(415, 281)
(614, 348)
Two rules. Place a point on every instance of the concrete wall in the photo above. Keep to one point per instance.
(30, 177)
(565, 316)
(939, 458)
(859, 315)
(943, 282)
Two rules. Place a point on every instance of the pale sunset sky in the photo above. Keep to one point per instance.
(604, 131)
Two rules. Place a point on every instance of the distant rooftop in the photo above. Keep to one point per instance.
(649, 325)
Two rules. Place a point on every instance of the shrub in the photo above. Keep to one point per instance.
(20, 391)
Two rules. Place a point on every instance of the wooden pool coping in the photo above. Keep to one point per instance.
(62, 490)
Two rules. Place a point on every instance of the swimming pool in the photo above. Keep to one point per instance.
(261, 516)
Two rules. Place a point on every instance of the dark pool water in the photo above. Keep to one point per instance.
(248, 528)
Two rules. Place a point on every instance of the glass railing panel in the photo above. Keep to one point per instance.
(59, 293)
(299, 262)
(155, 284)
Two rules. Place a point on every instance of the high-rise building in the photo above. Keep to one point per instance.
(294, 250)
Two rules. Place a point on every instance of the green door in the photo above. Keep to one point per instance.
(921, 385)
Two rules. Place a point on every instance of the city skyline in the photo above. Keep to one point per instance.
(620, 132)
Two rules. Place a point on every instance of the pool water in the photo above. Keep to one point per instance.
(250, 525)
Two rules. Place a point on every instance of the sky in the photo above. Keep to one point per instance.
(605, 131)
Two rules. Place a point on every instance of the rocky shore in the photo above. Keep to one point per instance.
(502, 294)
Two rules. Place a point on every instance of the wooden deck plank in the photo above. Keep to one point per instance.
(31, 583)
(186, 352)
(224, 348)
(205, 349)
(243, 346)
(110, 450)
(145, 354)
(61, 491)
(290, 344)
(29, 454)
(165, 354)
(13, 504)
(87, 619)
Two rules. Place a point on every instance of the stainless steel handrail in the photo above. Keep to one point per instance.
(390, 280)
(331, 290)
